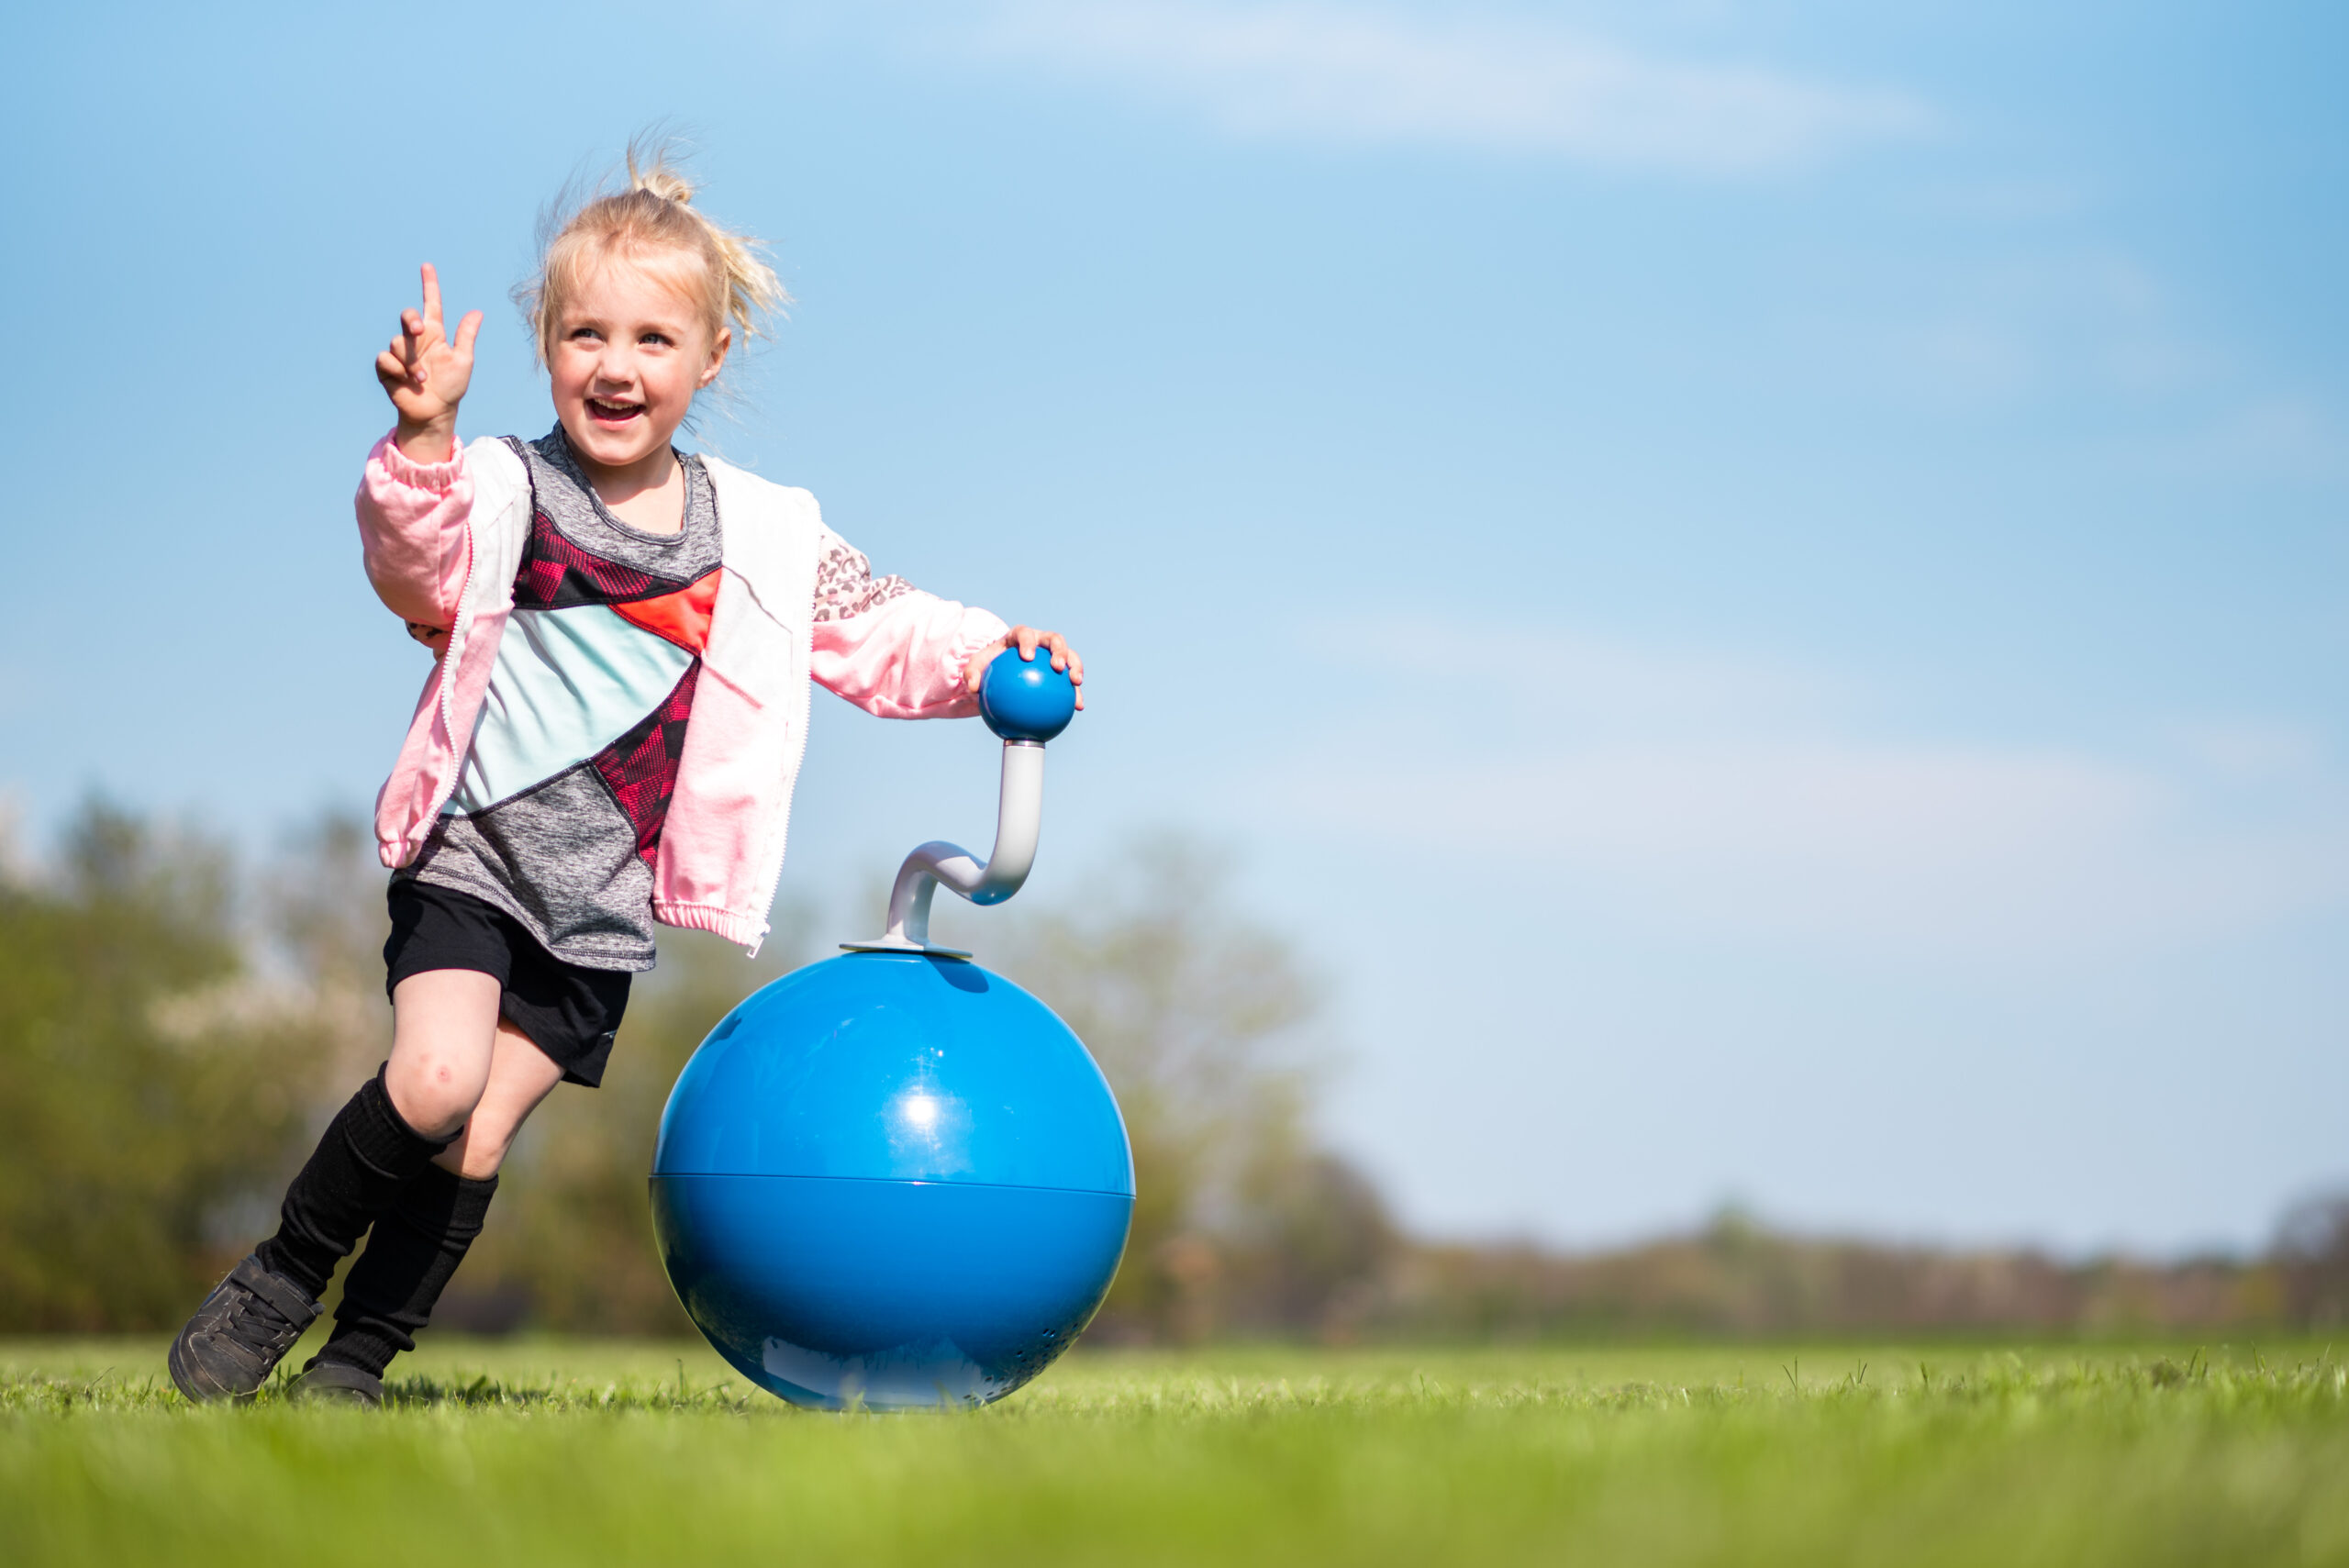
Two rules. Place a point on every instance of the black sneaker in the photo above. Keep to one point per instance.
(240, 1334)
(338, 1383)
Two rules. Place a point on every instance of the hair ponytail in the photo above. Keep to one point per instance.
(654, 213)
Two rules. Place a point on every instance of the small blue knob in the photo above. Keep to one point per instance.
(1023, 699)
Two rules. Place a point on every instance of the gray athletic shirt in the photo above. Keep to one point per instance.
(556, 813)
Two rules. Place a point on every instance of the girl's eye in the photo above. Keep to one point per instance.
(584, 334)
(660, 338)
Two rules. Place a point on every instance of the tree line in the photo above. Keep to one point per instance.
(177, 1020)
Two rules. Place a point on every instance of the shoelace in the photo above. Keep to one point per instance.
(251, 1303)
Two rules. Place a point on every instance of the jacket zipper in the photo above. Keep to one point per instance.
(459, 635)
(783, 830)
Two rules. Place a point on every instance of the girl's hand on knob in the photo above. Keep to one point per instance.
(1030, 642)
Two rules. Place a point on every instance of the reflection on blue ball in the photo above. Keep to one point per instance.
(1026, 699)
(894, 1179)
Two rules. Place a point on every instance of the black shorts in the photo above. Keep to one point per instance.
(569, 1012)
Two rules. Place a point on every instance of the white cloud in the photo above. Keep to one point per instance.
(2253, 750)
(2088, 328)
(1707, 795)
(2095, 324)
(1357, 75)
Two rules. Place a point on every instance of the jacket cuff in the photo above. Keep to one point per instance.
(439, 477)
(974, 639)
(747, 931)
(397, 852)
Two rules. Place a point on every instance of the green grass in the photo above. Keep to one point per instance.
(591, 1453)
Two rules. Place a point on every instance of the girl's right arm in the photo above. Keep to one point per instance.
(414, 499)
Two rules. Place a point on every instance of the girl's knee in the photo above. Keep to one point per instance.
(434, 1096)
(482, 1147)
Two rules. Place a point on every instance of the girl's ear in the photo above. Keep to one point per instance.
(719, 344)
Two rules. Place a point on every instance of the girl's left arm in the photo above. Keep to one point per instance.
(891, 649)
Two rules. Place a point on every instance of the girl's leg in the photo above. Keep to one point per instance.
(417, 1246)
(521, 1076)
(444, 1033)
(443, 1038)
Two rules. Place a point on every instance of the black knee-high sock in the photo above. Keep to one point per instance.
(417, 1246)
(367, 1155)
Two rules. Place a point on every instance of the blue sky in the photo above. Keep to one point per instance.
(1763, 587)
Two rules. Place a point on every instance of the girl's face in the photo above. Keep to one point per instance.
(630, 353)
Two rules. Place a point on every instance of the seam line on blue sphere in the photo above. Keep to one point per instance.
(883, 1181)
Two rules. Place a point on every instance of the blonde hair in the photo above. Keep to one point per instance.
(654, 213)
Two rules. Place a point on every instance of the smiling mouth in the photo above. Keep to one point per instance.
(605, 412)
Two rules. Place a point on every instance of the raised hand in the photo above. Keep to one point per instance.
(424, 375)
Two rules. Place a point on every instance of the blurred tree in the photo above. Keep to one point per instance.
(324, 922)
(2313, 1247)
(1202, 1020)
(1310, 1247)
(154, 1088)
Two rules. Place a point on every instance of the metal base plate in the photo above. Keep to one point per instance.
(902, 946)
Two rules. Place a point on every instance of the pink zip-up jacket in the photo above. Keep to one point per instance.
(442, 542)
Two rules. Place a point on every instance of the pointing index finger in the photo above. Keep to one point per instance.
(431, 295)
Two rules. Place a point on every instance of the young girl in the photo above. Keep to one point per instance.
(623, 638)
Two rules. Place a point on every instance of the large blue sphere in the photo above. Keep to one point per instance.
(894, 1179)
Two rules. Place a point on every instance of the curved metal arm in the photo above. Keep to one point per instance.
(1019, 813)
